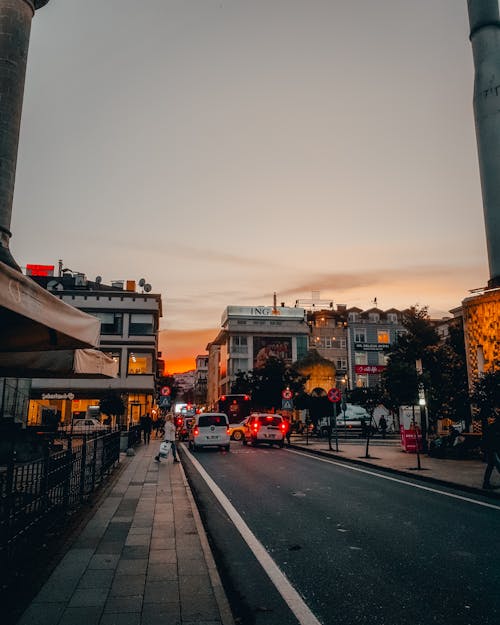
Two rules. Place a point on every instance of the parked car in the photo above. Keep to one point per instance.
(86, 426)
(265, 428)
(237, 430)
(209, 430)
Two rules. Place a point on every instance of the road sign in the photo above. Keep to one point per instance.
(165, 391)
(334, 395)
(286, 404)
(287, 394)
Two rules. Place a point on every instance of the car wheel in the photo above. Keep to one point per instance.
(237, 435)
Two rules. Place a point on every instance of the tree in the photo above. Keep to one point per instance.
(485, 394)
(112, 405)
(265, 384)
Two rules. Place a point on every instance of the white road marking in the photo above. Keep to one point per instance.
(279, 579)
(394, 479)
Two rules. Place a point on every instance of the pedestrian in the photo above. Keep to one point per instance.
(382, 424)
(169, 437)
(491, 448)
(146, 426)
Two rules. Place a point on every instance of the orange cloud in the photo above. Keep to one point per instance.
(179, 348)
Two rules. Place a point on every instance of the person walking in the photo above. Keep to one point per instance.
(491, 447)
(382, 424)
(146, 426)
(169, 437)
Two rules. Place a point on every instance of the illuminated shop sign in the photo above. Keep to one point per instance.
(58, 396)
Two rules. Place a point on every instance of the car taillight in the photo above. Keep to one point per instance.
(196, 431)
(283, 427)
(227, 430)
(256, 427)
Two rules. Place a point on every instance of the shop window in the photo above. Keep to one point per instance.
(141, 323)
(140, 363)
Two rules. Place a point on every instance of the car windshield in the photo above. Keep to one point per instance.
(269, 421)
(213, 419)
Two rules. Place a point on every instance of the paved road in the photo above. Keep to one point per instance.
(359, 545)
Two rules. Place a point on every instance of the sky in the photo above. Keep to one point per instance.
(225, 150)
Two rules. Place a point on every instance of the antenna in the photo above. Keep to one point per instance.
(147, 288)
(98, 280)
(142, 282)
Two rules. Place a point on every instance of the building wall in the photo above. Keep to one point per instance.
(130, 341)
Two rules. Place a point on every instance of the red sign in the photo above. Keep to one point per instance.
(165, 390)
(287, 394)
(369, 368)
(334, 395)
(39, 270)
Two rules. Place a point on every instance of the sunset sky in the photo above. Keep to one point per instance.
(227, 149)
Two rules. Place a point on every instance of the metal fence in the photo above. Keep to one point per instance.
(37, 496)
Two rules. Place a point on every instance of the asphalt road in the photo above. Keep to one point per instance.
(357, 547)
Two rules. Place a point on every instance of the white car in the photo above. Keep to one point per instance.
(265, 428)
(210, 429)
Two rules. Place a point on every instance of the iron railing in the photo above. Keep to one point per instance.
(38, 495)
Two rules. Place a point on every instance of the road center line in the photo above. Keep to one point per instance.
(279, 579)
(394, 479)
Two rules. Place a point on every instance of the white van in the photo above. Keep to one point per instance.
(210, 429)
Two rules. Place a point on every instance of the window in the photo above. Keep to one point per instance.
(141, 323)
(382, 359)
(383, 336)
(360, 335)
(392, 317)
(353, 316)
(360, 358)
(328, 343)
(140, 363)
(239, 344)
(111, 322)
(374, 317)
(238, 364)
(341, 363)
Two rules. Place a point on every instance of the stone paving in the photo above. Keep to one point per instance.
(142, 559)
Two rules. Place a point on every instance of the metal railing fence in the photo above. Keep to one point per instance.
(38, 495)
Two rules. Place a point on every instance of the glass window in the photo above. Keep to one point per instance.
(341, 363)
(352, 316)
(111, 322)
(140, 363)
(374, 317)
(392, 317)
(213, 419)
(360, 335)
(141, 323)
(360, 358)
(382, 336)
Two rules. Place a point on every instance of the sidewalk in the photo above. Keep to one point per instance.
(464, 474)
(142, 559)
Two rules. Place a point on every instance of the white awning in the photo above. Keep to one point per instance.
(65, 363)
(32, 319)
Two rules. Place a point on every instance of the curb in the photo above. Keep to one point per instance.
(424, 478)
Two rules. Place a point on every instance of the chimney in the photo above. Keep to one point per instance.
(485, 39)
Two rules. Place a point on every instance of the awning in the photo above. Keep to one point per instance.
(32, 319)
(71, 363)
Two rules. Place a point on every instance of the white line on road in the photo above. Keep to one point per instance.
(394, 479)
(279, 579)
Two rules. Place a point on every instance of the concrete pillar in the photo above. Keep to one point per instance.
(485, 39)
(15, 26)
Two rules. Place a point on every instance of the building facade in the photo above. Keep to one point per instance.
(355, 340)
(129, 334)
(200, 379)
(249, 335)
